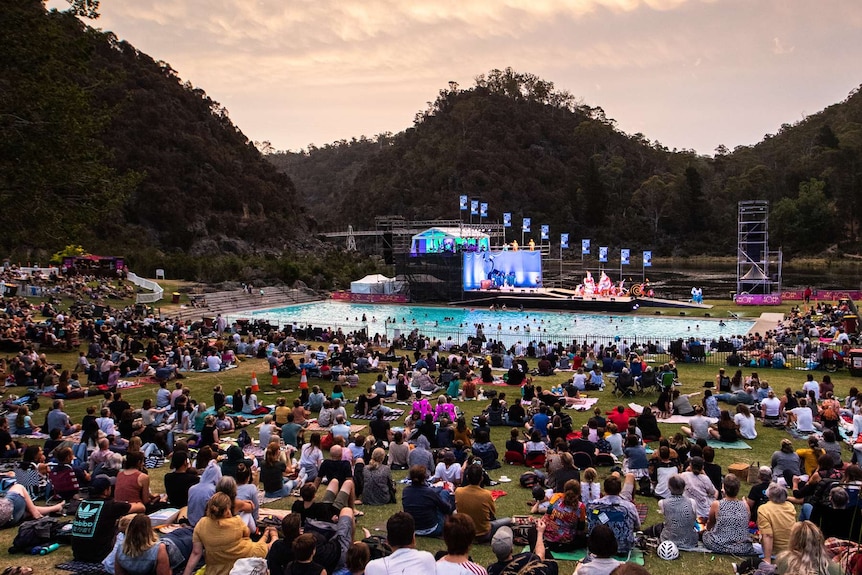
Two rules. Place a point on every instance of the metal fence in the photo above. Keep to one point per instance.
(654, 350)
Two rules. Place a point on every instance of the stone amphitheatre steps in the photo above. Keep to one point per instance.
(235, 301)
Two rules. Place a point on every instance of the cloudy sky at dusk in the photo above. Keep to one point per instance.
(689, 73)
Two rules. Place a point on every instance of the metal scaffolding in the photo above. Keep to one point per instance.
(758, 270)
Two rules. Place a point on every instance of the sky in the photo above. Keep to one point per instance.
(691, 74)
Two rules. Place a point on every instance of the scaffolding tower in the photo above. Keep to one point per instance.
(758, 270)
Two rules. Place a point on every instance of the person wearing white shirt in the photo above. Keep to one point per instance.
(448, 470)
(770, 407)
(213, 362)
(803, 417)
(811, 385)
(405, 558)
(745, 420)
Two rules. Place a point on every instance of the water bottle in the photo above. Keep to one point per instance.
(49, 549)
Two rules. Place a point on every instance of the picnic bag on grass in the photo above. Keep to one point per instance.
(36, 533)
(530, 479)
(379, 546)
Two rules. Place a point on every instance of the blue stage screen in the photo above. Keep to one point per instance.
(522, 269)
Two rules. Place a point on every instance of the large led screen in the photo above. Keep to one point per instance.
(487, 270)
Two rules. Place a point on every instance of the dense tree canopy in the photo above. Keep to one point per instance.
(103, 146)
(517, 143)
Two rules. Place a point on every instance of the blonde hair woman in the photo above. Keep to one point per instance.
(141, 552)
(806, 553)
(225, 537)
(378, 484)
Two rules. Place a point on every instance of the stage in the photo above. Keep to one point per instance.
(550, 298)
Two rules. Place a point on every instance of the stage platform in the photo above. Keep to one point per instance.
(551, 298)
(564, 299)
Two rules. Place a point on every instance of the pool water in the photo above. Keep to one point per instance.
(509, 326)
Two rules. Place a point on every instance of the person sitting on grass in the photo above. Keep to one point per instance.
(336, 498)
(603, 547)
(428, 506)
(533, 562)
(303, 557)
(458, 534)
(478, 503)
(405, 558)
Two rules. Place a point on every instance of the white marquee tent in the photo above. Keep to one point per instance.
(376, 284)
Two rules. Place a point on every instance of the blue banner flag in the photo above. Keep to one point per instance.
(462, 203)
(648, 259)
(474, 207)
(483, 210)
(603, 254)
(624, 257)
(564, 241)
(507, 219)
(546, 232)
(526, 226)
(585, 247)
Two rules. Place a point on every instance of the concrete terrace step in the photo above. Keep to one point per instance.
(231, 302)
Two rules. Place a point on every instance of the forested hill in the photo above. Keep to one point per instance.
(519, 144)
(101, 145)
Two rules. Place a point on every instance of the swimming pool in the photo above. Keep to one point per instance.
(508, 326)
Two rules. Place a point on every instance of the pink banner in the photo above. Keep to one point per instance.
(821, 295)
(758, 299)
(369, 297)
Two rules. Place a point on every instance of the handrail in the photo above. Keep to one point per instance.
(156, 289)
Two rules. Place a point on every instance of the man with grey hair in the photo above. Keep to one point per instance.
(775, 518)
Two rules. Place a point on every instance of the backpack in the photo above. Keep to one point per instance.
(821, 492)
(530, 479)
(645, 486)
(379, 546)
(243, 439)
(617, 518)
(36, 533)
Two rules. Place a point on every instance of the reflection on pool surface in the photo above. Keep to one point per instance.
(508, 326)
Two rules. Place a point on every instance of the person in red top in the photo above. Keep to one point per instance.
(577, 362)
(133, 485)
(619, 417)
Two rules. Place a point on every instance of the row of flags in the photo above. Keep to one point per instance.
(481, 209)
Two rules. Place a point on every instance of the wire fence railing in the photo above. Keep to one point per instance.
(656, 350)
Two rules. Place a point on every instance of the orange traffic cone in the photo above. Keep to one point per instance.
(274, 377)
(303, 380)
(254, 386)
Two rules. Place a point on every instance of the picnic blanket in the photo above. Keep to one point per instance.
(586, 404)
(683, 419)
(262, 499)
(643, 509)
(391, 416)
(738, 444)
(313, 426)
(83, 568)
(232, 366)
(637, 556)
(128, 384)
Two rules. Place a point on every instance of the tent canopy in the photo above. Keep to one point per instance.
(376, 284)
(442, 240)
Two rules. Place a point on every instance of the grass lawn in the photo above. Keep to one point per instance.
(514, 503)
